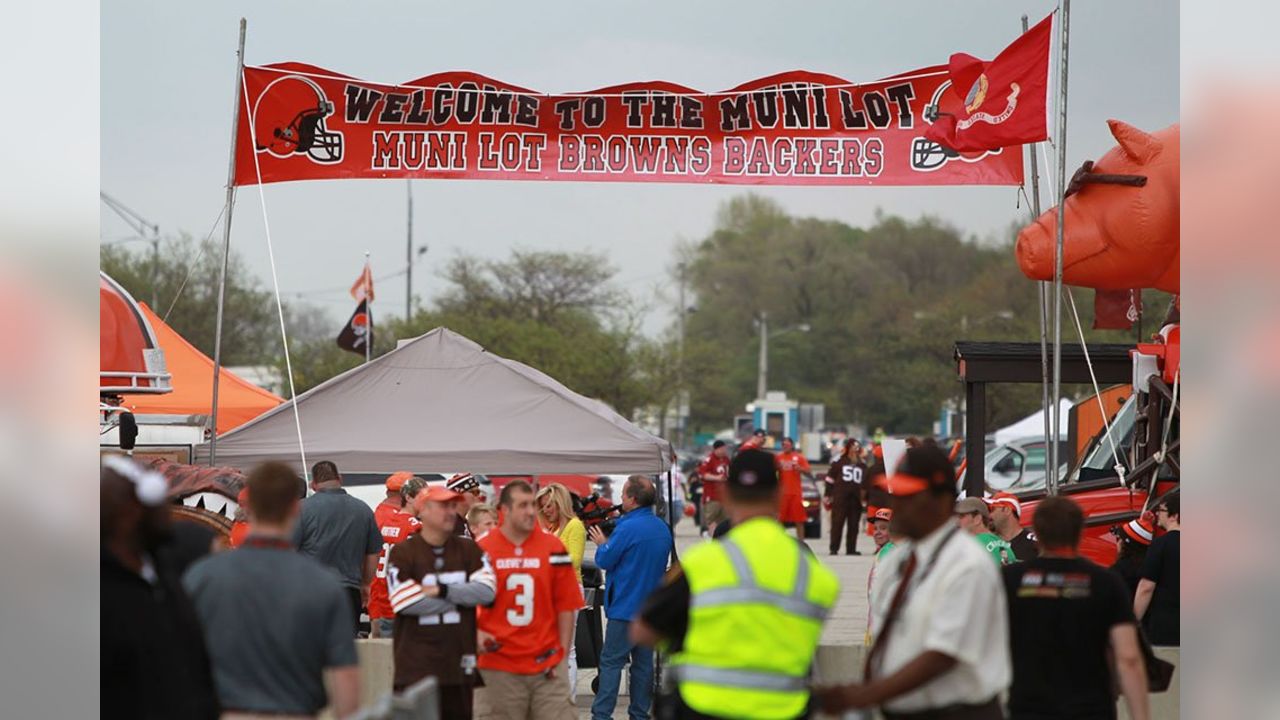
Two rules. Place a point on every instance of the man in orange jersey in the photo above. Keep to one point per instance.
(395, 524)
(790, 464)
(525, 633)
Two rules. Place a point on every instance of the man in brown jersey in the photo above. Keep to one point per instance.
(435, 580)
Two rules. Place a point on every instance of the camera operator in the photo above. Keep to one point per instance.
(635, 557)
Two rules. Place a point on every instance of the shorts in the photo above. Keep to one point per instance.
(712, 514)
(792, 509)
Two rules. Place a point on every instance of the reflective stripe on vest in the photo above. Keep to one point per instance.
(748, 591)
(750, 679)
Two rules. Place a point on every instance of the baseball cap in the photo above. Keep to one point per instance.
(973, 505)
(396, 480)
(435, 493)
(885, 514)
(463, 482)
(920, 469)
(754, 469)
(1008, 500)
(1139, 530)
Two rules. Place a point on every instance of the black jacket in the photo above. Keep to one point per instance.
(154, 663)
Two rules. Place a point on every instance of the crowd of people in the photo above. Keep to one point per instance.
(970, 613)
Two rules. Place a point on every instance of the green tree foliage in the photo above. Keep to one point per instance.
(555, 311)
(250, 332)
(885, 306)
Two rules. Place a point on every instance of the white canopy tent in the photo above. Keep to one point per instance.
(1031, 425)
(439, 403)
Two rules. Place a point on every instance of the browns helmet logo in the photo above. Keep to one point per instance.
(288, 119)
(928, 155)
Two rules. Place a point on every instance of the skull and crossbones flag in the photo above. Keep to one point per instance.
(358, 332)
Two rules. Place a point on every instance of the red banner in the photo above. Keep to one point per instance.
(795, 128)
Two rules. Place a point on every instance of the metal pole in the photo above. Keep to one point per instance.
(680, 396)
(155, 267)
(408, 255)
(368, 307)
(762, 379)
(1041, 286)
(1053, 478)
(226, 250)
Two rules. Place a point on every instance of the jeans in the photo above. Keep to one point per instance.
(617, 648)
(386, 627)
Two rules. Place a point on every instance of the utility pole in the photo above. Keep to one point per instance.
(408, 256)
(681, 397)
(762, 379)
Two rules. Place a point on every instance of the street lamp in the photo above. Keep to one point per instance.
(762, 376)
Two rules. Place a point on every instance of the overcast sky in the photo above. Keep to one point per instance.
(167, 83)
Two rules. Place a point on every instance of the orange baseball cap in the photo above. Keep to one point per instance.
(1008, 500)
(901, 483)
(435, 493)
(885, 514)
(396, 480)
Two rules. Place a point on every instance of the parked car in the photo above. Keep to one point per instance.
(1018, 465)
(812, 497)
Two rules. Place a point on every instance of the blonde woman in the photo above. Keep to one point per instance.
(555, 514)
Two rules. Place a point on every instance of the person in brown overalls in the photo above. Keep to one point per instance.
(844, 496)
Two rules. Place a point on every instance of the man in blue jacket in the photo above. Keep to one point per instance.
(635, 558)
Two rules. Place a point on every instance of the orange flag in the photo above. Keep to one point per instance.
(363, 287)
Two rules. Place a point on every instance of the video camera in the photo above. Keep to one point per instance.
(595, 510)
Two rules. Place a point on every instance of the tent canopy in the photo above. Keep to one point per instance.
(192, 379)
(441, 403)
(1033, 425)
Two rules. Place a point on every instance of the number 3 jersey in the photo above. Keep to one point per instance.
(444, 644)
(536, 583)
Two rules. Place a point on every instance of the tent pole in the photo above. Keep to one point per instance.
(226, 250)
(1053, 479)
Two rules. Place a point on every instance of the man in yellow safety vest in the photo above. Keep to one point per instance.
(741, 617)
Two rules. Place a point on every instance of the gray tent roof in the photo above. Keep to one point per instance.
(441, 403)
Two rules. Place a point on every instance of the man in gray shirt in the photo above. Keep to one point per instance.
(341, 532)
(277, 624)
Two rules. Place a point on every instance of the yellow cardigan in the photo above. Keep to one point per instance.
(574, 537)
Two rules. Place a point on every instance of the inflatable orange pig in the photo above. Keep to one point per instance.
(1121, 218)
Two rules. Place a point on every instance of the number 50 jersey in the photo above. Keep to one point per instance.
(536, 582)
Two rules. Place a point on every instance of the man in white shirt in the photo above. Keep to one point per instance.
(938, 612)
(677, 499)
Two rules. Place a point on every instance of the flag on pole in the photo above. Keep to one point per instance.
(1002, 102)
(1116, 309)
(357, 334)
(362, 289)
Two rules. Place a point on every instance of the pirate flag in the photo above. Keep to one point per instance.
(358, 332)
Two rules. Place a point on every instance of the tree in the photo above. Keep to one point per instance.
(555, 311)
(187, 287)
(885, 305)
